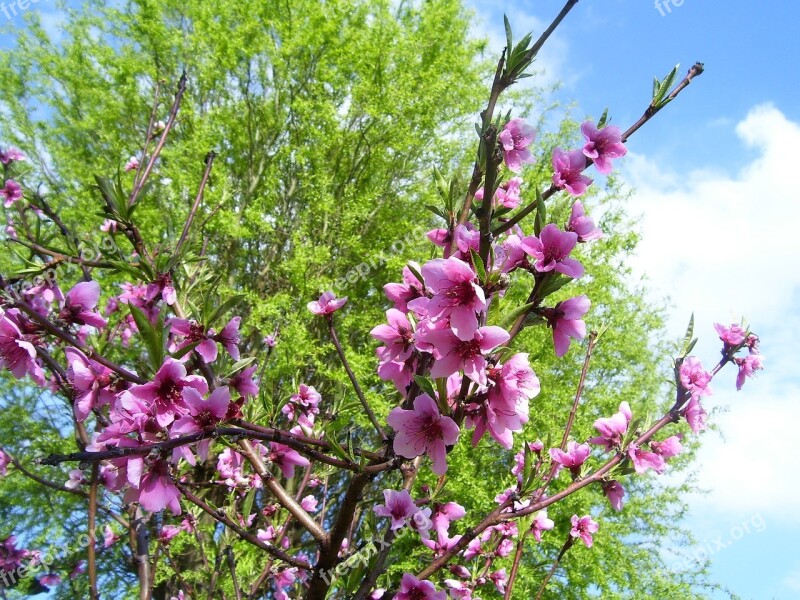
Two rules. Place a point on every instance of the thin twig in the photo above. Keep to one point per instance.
(354, 381)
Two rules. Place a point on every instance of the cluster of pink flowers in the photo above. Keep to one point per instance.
(601, 147)
(735, 338)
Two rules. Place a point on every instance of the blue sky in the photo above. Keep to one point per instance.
(719, 217)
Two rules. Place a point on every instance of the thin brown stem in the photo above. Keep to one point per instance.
(567, 545)
(695, 70)
(222, 517)
(209, 161)
(367, 409)
(91, 548)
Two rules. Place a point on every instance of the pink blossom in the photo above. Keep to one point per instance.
(109, 226)
(459, 590)
(519, 458)
(568, 171)
(109, 537)
(286, 459)
(421, 522)
(541, 523)
(584, 527)
(304, 404)
(78, 569)
(132, 164)
(11, 191)
(453, 354)
(398, 506)
(327, 304)
(5, 460)
(161, 288)
(229, 337)
(732, 336)
(615, 493)
(644, 460)
(10, 155)
(402, 293)
(669, 448)
(283, 580)
(309, 503)
(582, 225)
(243, 382)
(695, 415)
(193, 332)
(81, 304)
(412, 588)
(164, 396)
(444, 514)
(204, 413)
(602, 145)
(506, 407)
(157, 491)
(573, 458)
(17, 350)
(613, 428)
(510, 254)
(90, 382)
(423, 430)
(456, 294)
(500, 580)
(694, 378)
(397, 335)
(747, 368)
(50, 580)
(400, 372)
(507, 194)
(565, 319)
(515, 138)
(75, 479)
(551, 251)
(167, 533)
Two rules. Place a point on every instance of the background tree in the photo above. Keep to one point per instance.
(326, 119)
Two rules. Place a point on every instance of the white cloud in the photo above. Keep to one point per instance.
(725, 246)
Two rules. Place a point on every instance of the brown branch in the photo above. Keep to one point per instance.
(281, 495)
(219, 515)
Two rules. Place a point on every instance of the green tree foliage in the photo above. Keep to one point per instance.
(327, 118)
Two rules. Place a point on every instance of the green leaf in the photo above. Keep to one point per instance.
(477, 261)
(603, 119)
(247, 507)
(239, 365)
(223, 308)
(541, 213)
(509, 318)
(553, 284)
(425, 385)
(508, 32)
(415, 273)
(687, 338)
